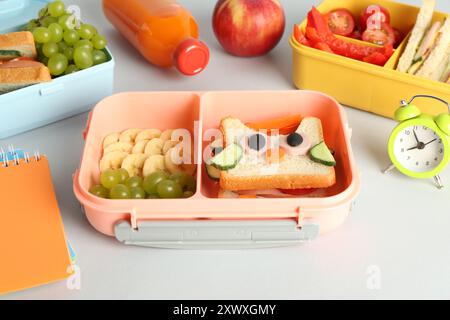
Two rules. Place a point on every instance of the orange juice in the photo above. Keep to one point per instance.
(164, 32)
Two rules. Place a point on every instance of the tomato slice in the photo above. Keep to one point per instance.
(297, 192)
(340, 22)
(384, 35)
(373, 16)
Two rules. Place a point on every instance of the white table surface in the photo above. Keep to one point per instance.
(400, 226)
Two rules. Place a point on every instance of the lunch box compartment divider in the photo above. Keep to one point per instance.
(165, 110)
(362, 85)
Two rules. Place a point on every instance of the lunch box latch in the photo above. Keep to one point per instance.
(51, 89)
(214, 233)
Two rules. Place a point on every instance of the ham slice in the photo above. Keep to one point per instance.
(21, 64)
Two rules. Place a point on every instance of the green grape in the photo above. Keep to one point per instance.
(47, 21)
(67, 21)
(134, 182)
(71, 69)
(83, 58)
(41, 35)
(152, 196)
(120, 191)
(137, 193)
(151, 181)
(168, 189)
(123, 174)
(49, 49)
(68, 52)
(57, 64)
(56, 8)
(186, 181)
(99, 42)
(62, 46)
(99, 191)
(71, 37)
(187, 194)
(86, 31)
(56, 32)
(109, 179)
(98, 57)
(84, 44)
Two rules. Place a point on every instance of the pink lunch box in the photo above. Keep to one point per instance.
(205, 221)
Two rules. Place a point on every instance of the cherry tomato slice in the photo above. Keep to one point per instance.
(297, 192)
(340, 22)
(384, 35)
(373, 16)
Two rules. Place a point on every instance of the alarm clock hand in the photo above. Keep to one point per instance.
(415, 136)
(431, 141)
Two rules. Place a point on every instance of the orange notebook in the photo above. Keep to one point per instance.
(33, 248)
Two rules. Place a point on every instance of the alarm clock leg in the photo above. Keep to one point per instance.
(438, 181)
(389, 169)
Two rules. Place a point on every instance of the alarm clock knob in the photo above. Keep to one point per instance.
(406, 112)
(443, 122)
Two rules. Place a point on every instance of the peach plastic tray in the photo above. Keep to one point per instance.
(198, 112)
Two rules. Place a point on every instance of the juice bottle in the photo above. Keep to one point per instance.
(164, 32)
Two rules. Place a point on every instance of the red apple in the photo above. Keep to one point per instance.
(248, 28)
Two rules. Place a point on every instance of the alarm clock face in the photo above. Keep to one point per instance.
(419, 148)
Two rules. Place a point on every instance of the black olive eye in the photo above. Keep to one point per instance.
(216, 150)
(256, 142)
(294, 139)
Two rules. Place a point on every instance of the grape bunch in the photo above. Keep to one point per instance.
(117, 184)
(64, 44)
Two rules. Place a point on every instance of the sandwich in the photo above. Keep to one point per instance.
(428, 49)
(19, 74)
(16, 45)
(262, 164)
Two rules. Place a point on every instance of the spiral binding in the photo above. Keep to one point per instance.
(13, 156)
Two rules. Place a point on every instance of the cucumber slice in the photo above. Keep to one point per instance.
(9, 54)
(213, 172)
(228, 158)
(321, 154)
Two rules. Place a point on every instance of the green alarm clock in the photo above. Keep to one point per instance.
(419, 146)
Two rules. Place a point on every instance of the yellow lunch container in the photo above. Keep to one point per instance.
(359, 84)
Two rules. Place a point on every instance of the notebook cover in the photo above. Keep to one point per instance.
(33, 247)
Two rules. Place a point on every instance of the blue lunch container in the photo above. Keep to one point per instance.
(44, 103)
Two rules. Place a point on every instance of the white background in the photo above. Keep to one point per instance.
(399, 225)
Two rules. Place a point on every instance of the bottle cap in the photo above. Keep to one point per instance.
(191, 57)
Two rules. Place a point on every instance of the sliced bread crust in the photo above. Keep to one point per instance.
(438, 58)
(422, 24)
(296, 172)
(22, 41)
(16, 78)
